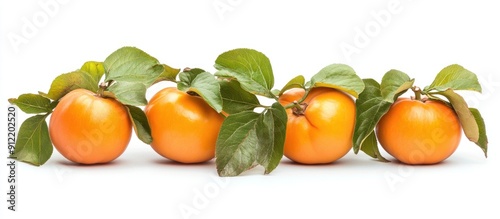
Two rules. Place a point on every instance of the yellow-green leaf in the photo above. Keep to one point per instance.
(168, 74)
(482, 141)
(469, 124)
(65, 83)
(95, 69)
(297, 82)
(455, 77)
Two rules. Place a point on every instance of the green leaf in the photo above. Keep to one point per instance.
(68, 82)
(297, 82)
(339, 76)
(250, 67)
(33, 144)
(370, 147)
(168, 74)
(140, 124)
(129, 93)
(373, 103)
(469, 124)
(95, 69)
(131, 69)
(237, 144)
(194, 71)
(205, 85)
(235, 99)
(455, 77)
(370, 107)
(248, 138)
(394, 83)
(32, 103)
(482, 142)
(271, 131)
(187, 76)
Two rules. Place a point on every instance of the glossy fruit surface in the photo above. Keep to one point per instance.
(419, 132)
(89, 129)
(183, 126)
(323, 132)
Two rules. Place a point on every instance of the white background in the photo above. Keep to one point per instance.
(299, 37)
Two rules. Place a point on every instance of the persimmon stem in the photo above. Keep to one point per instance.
(102, 87)
(418, 92)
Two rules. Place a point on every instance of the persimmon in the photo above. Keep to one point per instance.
(183, 126)
(419, 131)
(320, 129)
(89, 129)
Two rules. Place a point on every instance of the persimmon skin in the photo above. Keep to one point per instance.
(323, 134)
(88, 129)
(184, 127)
(419, 132)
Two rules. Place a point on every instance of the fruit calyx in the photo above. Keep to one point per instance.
(299, 109)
